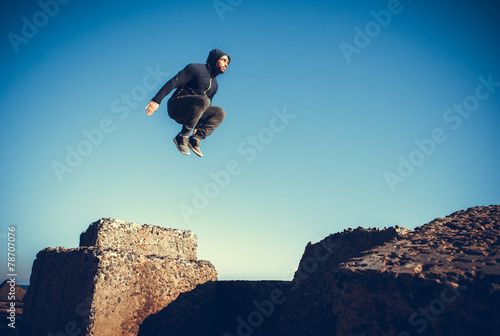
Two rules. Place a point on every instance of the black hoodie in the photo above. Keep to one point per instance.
(194, 79)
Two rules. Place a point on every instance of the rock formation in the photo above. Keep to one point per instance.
(268, 308)
(441, 279)
(308, 311)
(121, 273)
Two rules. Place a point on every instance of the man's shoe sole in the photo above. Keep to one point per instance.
(177, 145)
(200, 154)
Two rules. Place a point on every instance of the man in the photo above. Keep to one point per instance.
(190, 105)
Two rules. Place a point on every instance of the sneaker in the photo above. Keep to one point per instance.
(182, 144)
(194, 144)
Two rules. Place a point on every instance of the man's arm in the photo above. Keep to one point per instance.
(184, 76)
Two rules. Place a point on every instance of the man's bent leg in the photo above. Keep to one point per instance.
(187, 111)
(209, 121)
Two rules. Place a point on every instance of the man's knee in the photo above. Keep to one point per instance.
(219, 112)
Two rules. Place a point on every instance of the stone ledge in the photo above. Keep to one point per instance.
(108, 233)
(122, 273)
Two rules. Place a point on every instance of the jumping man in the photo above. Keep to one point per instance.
(190, 105)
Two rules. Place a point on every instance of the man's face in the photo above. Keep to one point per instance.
(222, 64)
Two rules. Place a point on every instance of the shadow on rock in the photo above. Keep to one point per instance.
(220, 308)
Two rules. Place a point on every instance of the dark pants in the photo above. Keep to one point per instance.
(195, 112)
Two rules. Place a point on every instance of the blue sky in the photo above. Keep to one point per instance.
(339, 114)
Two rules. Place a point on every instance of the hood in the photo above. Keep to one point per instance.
(213, 57)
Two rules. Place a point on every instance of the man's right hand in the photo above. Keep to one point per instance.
(151, 108)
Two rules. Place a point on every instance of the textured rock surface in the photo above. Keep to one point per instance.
(441, 279)
(444, 279)
(308, 310)
(143, 239)
(111, 287)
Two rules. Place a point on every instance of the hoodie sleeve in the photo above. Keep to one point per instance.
(184, 76)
